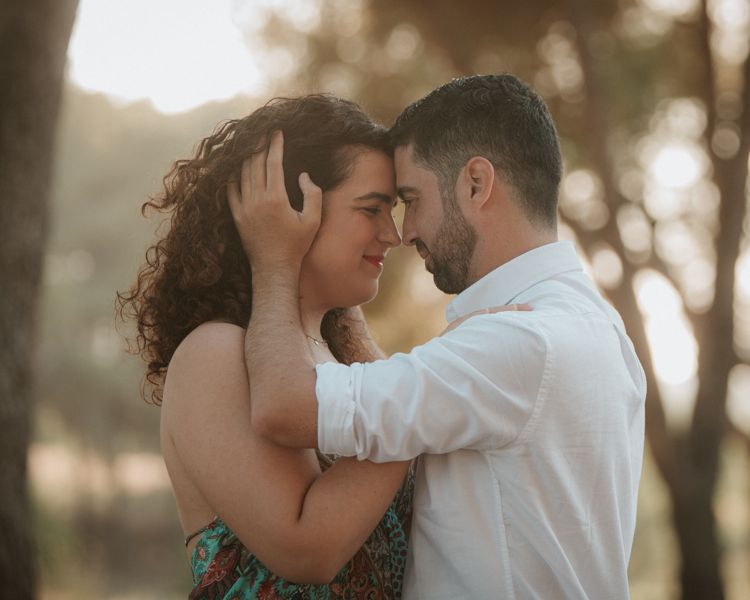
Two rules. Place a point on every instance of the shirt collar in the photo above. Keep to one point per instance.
(504, 283)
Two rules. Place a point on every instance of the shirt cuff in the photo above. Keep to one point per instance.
(335, 391)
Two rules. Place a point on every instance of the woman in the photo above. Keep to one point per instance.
(263, 521)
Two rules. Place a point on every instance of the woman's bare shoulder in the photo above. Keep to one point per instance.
(211, 335)
(210, 357)
(211, 342)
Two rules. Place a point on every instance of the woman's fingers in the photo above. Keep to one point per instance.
(272, 233)
(246, 179)
(507, 307)
(235, 200)
(312, 200)
(487, 311)
(275, 168)
(256, 188)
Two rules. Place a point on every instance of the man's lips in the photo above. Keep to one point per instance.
(377, 261)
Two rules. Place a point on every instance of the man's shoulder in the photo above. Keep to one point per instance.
(517, 339)
(569, 298)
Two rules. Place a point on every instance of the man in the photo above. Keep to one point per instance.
(529, 426)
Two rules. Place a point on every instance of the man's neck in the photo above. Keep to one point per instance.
(489, 257)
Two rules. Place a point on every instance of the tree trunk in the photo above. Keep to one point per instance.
(690, 463)
(695, 526)
(34, 37)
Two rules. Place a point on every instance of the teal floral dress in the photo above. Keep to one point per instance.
(223, 569)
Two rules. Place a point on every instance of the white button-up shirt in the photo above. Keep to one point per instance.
(530, 426)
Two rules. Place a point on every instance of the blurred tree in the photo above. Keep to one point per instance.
(612, 73)
(34, 37)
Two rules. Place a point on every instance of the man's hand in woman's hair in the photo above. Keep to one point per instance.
(274, 235)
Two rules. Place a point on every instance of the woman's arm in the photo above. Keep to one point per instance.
(302, 525)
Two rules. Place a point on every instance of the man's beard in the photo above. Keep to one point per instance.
(452, 251)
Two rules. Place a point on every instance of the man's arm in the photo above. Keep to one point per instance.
(474, 388)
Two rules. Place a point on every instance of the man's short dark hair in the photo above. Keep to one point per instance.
(497, 117)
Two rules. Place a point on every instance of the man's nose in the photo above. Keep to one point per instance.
(408, 232)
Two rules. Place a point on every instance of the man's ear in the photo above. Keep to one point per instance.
(475, 182)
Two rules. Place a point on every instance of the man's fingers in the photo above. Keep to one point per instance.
(313, 198)
(275, 167)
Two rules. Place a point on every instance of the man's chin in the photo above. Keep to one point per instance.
(448, 283)
(429, 265)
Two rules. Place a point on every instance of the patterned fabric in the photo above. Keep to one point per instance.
(223, 569)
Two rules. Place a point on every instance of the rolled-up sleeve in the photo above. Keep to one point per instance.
(476, 387)
(335, 391)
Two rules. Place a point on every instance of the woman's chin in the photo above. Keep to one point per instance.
(360, 296)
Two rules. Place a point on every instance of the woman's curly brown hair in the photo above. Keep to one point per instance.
(198, 271)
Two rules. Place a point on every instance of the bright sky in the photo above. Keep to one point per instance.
(177, 53)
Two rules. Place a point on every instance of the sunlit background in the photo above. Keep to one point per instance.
(177, 55)
(149, 79)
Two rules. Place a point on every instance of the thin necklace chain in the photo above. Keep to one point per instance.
(316, 341)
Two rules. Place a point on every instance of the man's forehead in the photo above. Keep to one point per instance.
(409, 173)
(405, 153)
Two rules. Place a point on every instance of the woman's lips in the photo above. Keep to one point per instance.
(376, 261)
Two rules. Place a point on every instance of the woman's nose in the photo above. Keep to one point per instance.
(389, 234)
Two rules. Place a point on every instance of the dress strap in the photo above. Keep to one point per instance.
(201, 530)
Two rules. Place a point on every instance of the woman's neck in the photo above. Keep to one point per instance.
(311, 319)
(312, 309)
